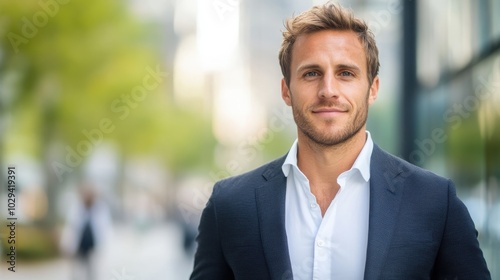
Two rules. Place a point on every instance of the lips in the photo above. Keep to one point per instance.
(328, 110)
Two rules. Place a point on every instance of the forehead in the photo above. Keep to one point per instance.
(332, 46)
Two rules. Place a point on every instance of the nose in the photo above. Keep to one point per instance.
(328, 87)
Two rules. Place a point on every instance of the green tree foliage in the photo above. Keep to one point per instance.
(67, 66)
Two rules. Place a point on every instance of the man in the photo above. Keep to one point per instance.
(336, 206)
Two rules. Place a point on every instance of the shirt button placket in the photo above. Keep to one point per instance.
(320, 243)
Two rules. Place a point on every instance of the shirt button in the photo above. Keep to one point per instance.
(320, 243)
(313, 205)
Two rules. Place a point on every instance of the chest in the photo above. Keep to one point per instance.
(328, 230)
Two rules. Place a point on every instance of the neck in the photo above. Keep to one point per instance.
(323, 164)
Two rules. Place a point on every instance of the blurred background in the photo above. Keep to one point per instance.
(119, 116)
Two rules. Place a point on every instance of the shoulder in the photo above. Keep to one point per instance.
(396, 169)
(248, 181)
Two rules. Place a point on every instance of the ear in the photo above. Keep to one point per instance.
(372, 95)
(285, 93)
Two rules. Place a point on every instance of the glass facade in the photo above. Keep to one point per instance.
(457, 107)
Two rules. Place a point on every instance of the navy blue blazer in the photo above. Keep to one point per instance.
(418, 228)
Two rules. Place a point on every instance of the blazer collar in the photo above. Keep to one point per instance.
(387, 174)
(270, 197)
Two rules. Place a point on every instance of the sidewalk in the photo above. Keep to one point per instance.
(150, 254)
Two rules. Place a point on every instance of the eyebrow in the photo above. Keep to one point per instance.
(351, 67)
(308, 66)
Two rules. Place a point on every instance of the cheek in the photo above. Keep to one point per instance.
(358, 103)
(304, 102)
(299, 96)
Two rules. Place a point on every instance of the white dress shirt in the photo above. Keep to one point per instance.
(333, 246)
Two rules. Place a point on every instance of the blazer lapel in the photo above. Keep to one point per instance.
(270, 199)
(385, 198)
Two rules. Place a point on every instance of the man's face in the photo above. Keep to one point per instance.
(329, 90)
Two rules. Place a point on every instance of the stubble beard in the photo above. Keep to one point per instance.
(329, 139)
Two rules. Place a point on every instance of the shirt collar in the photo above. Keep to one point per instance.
(362, 162)
(291, 159)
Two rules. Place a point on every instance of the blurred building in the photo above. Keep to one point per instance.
(451, 104)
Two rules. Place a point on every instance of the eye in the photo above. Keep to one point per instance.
(311, 74)
(346, 74)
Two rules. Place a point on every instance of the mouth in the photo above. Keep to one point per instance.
(328, 111)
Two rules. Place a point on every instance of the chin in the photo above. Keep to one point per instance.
(330, 137)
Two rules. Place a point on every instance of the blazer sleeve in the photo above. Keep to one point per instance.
(209, 263)
(459, 255)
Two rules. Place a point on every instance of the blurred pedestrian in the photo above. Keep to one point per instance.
(87, 229)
